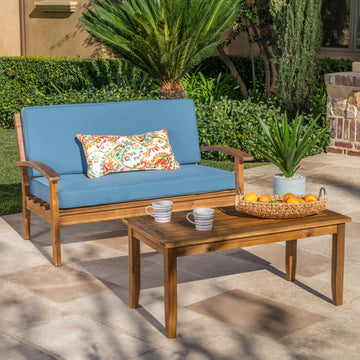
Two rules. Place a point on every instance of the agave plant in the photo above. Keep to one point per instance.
(165, 38)
(284, 145)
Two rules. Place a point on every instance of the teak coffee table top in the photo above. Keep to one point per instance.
(228, 224)
(231, 230)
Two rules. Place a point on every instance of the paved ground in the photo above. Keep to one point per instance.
(232, 305)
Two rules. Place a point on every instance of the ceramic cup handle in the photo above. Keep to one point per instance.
(189, 220)
(146, 210)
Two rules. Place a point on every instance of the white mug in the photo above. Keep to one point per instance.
(161, 210)
(203, 218)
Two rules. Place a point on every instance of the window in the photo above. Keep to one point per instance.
(341, 27)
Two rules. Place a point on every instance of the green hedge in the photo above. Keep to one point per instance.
(31, 81)
(233, 123)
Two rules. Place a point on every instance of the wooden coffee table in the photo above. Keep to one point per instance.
(231, 230)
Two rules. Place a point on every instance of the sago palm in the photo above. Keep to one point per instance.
(165, 38)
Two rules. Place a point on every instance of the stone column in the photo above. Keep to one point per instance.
(343, 111)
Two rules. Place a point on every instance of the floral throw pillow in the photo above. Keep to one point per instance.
(110, 154)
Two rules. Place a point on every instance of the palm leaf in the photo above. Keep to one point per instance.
(165, 38)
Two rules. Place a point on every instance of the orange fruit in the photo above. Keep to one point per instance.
(251, 197)
(301, 200)
(265, 198)
(288, 196)
(310, 197)
(292, 200)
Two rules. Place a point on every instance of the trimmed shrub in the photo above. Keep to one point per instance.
(234, 123)
(32, 81)
(29, 81)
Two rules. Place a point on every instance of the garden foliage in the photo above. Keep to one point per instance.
(236, 124)
(297, 31)
(164, 38)
(285, 144)
(33, 81)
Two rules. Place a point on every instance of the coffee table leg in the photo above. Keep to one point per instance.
(337, 269)
(170, 292)
(290, 259)
(134, 269)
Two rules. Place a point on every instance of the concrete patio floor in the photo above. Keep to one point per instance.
(231, 305)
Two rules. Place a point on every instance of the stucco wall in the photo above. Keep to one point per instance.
(58, 33)
(9, 28)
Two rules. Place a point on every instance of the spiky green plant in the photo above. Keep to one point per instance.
(284, 145)
(165, 38)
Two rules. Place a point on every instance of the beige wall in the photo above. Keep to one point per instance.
(9, 28)
(58, 33)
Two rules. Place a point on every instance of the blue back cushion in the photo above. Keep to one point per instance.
(49, 131)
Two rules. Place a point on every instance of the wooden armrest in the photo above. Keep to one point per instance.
(49, 173)
(241, 155)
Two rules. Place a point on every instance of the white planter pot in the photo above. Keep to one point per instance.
(283, 185)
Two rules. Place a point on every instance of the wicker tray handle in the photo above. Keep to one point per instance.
(237, 199)
(322, 190)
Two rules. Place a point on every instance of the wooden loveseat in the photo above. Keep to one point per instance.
(53, 166)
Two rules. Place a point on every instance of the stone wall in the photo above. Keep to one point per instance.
(343, 112)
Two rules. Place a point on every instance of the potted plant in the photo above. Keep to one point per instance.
(285, 146)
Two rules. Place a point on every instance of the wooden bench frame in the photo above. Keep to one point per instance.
(57, 217)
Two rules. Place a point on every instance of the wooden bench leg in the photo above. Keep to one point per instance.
(26, 223)
(290, 259)
(337, 268)
(134, 269)
(170, 292)
(55, 223)
(55, 239)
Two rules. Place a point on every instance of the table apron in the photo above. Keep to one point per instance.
(194, 249)
(160, 249)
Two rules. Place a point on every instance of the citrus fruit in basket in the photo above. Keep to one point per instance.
(288, 196)
(310, 198)
(292, 200)
(251, 197)
(265, 198)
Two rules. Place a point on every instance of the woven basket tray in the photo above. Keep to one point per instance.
(280, 211)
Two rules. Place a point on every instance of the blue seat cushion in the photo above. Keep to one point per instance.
(76, 190)
(50, 131)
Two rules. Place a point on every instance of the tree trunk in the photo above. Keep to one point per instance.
(172, 90)
(270, 70)
(234, 73)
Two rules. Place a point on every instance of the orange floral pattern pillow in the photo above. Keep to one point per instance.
(110, 154)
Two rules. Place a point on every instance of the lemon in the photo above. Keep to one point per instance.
(292, 200)
(251, 197)
(310, 198)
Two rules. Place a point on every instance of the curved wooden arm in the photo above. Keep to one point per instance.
(241, 155)
(49, 173)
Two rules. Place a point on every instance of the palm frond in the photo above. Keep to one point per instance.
(165, 38)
